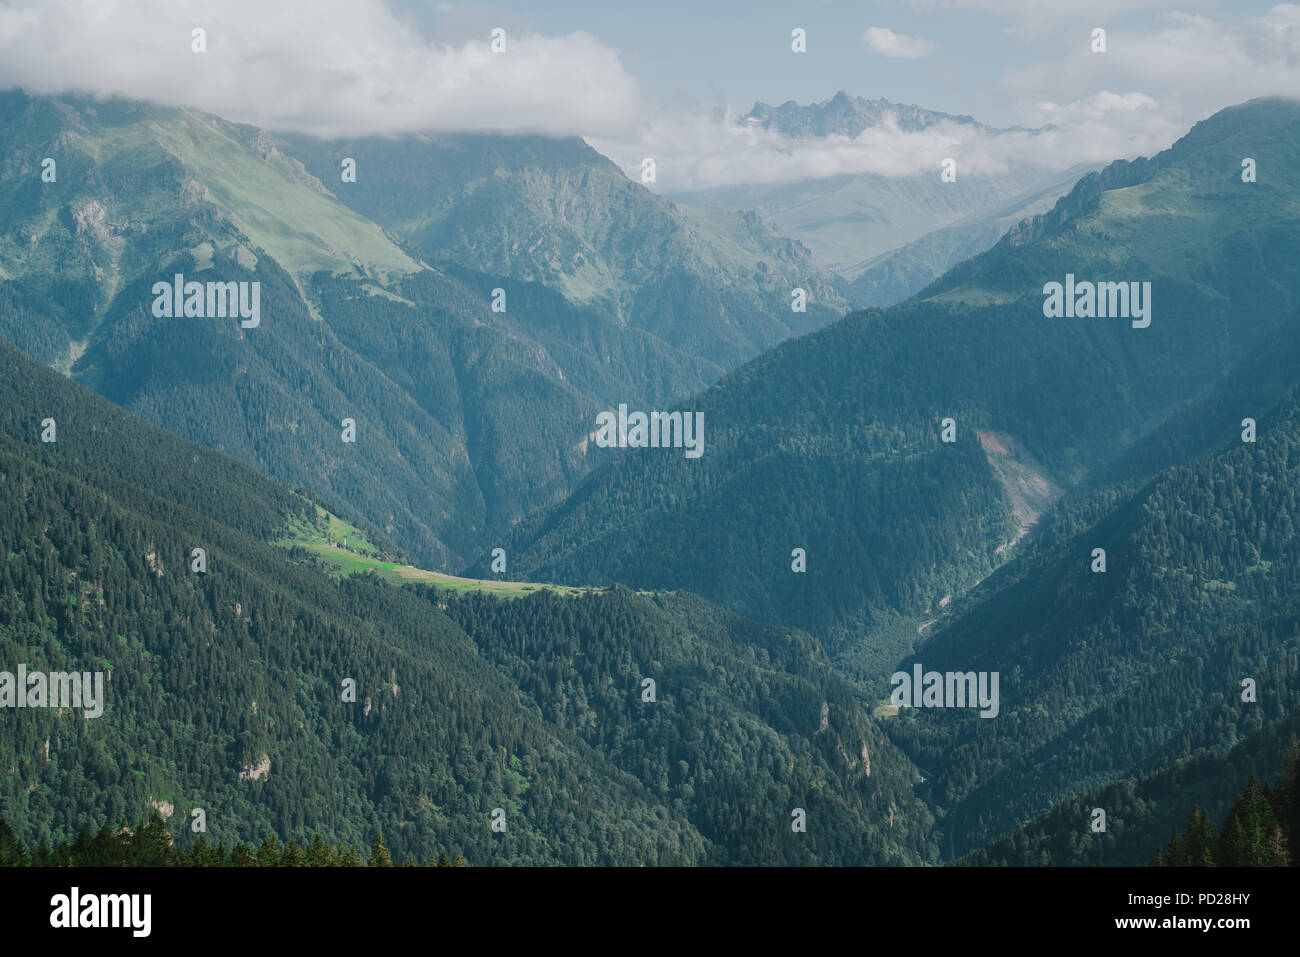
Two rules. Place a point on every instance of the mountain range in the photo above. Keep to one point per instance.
(886, 235)
(965, 554)
(924, 483)
(833, 442)
(467, 415)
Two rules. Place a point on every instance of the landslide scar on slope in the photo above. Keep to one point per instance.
(1028, 489)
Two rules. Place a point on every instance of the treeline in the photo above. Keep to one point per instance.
(1261, 830)
(150, 845)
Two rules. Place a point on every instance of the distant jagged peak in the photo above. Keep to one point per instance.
(845, 115)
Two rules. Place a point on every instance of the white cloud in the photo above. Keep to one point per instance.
(886, 42)
(354, 67)
(331, 67)
(696, 151)
(1192, 64)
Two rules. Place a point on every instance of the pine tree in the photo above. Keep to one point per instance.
(152, 845)
(199, 852)
(1278, 854)
(268, 855)
(12, 854)
(1246, 840)
(293, 856)
(61, 856)
(83, 850)
(319, 854)
(241, 856)
(1233, 848)
(109, 851)
(1290, 813)
(1175, 856)
(1199, 848)
(379, 856)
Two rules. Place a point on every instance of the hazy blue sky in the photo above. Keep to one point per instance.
(738, 51)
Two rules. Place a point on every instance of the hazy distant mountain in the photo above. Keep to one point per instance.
(848, 219)
(844, 115)
(901, 273)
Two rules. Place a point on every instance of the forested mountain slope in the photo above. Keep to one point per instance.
(227, 689)
(1185, 645)
(1143, 812)
(833, 442)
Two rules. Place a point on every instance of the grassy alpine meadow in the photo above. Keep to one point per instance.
(345, 549)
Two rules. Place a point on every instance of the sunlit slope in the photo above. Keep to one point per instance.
(1185, 217)
(343, 549)
(555, 212)
(133, 184)
(466, 418)
(273, 201)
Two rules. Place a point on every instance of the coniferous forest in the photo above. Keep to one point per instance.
(150, 845)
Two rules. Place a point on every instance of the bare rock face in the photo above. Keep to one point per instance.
(256, 772)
